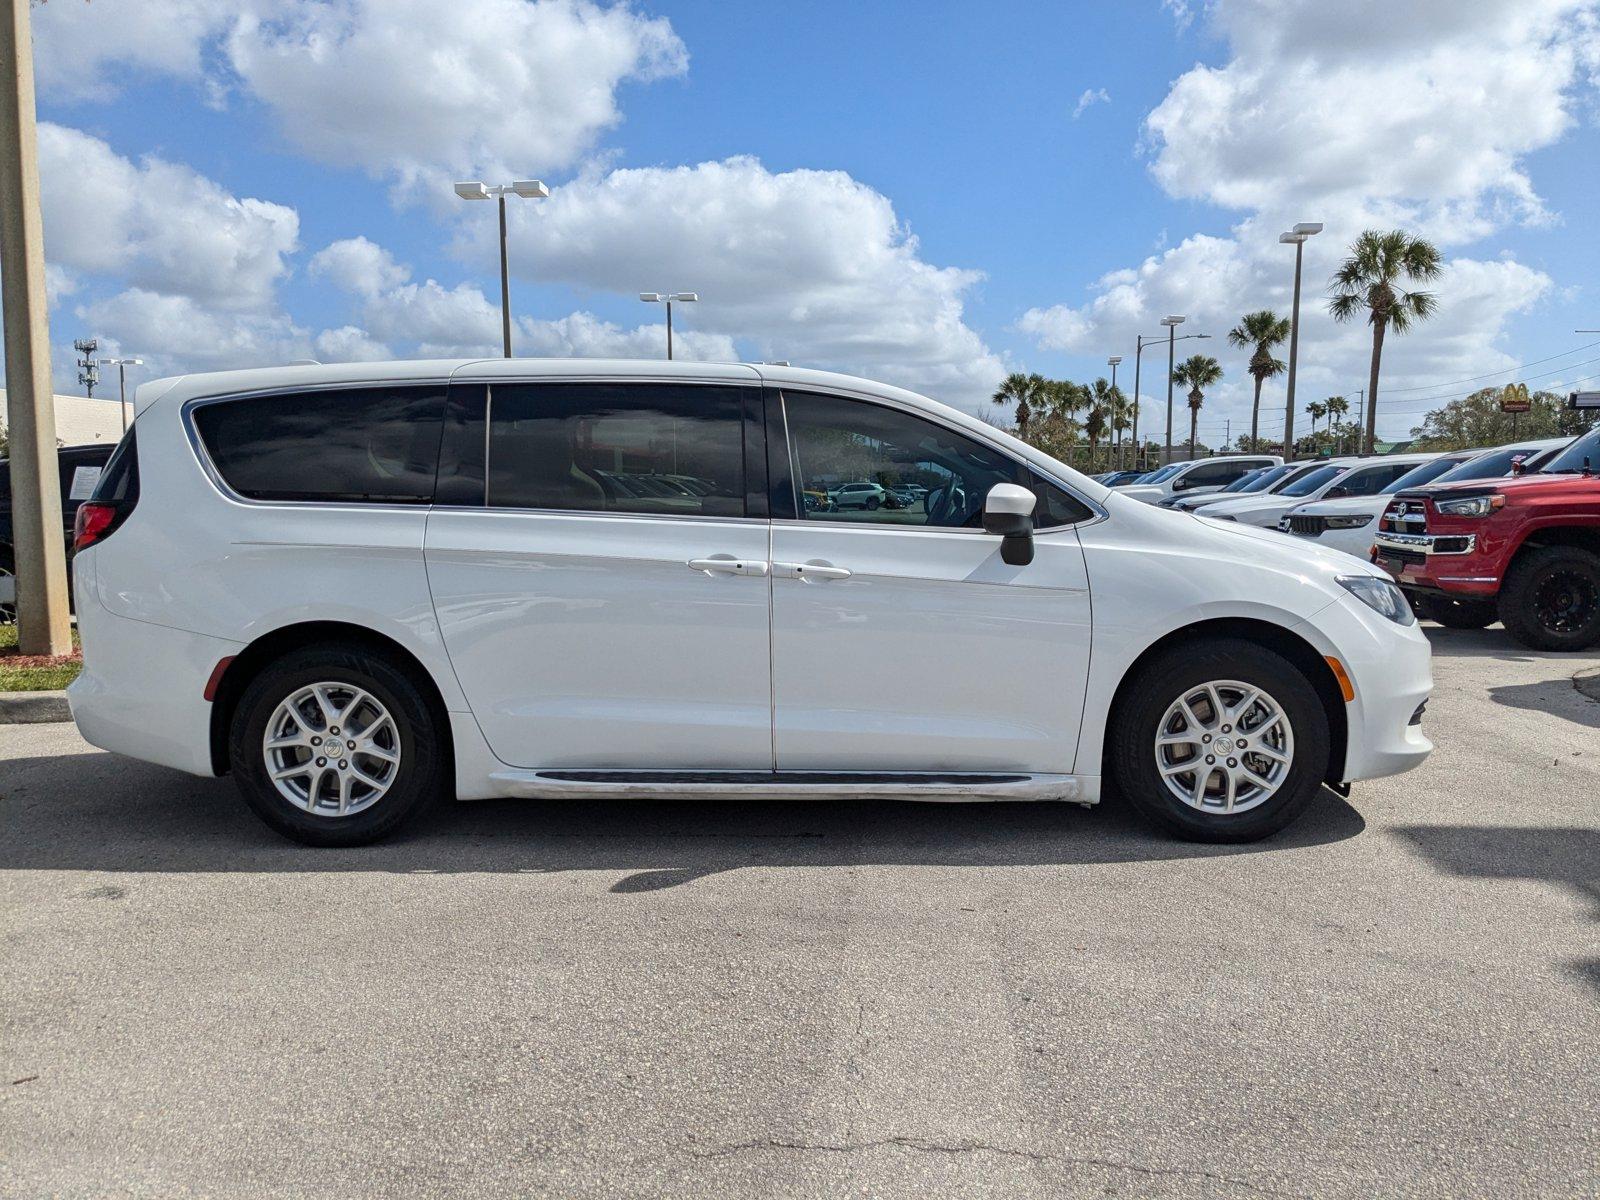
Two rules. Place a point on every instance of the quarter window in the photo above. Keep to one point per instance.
(376, 445)
(674, 449)
(855, 461)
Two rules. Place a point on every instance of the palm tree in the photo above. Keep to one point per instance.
(1199, 371)
(1367, 282)
(1316, 410)
(1337, 406)
(1024, 391)
(1121, 417)
(1102, 400)
(1263, 330)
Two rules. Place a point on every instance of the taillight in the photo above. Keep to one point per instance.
(96, 520)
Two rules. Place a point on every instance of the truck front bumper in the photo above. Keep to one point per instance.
(1440, 563)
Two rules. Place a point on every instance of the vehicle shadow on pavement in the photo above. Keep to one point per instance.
(1564, 855)
(1493, 644)
(97, 812)
(1558, 697)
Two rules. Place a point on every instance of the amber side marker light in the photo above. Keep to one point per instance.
(1346, 688)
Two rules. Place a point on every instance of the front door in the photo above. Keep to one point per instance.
(900, 640)
(604, 594)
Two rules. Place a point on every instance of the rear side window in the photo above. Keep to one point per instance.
(664, 448)
(119, 482)
(372, 445)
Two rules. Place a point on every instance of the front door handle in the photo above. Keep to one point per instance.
(810, 570)
(724, 564)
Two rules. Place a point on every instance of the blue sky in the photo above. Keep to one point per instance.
(908, 191)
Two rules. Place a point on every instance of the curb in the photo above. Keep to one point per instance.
(1588, 683)
(33, 708)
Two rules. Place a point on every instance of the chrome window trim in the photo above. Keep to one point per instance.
(1097, 512)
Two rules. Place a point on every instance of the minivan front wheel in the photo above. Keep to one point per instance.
(1220, 741)
(333, 746)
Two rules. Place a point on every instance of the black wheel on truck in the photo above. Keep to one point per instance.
(1551, 598)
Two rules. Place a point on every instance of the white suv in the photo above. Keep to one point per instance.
(361, 587)
(1333, 479)
(1196, 477)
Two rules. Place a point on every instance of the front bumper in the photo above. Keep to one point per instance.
(1390, 669)
(1445, 563)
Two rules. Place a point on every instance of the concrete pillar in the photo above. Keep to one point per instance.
(42, 620)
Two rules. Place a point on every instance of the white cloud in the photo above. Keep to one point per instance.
(86, 51)
(1091, 96)
(350, 344)
(158, 225)
(809, 266)
(176, 333)
(422, 91)
(359, 266)
(1316, 117)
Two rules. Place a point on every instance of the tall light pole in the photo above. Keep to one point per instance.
(1172, 324)
(1112, 363)
(528, 189)
(122, 365)
(669, 298)
(1297, 237)
(1141, 344)
(41, 558)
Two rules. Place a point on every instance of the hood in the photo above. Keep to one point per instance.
(1234, 505)
(1140, 491)
(1299, 556)
(1343, 505)
(1509, 485)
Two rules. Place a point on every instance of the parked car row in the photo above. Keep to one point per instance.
(80, 468)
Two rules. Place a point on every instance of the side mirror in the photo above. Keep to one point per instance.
(1181, 483)
(1334, 493)
(1008, 514)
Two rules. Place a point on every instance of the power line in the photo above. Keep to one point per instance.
(1422, 387)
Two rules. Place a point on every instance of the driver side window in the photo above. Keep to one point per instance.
(857, 461)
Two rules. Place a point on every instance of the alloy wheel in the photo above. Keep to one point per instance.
(1564, 601)
(1224, 747)
(332, 749)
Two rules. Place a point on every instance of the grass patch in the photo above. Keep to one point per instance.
(18, 674)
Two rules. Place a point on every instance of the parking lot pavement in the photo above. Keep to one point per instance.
(1400, 996)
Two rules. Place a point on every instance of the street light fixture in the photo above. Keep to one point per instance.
(1297, 238)
(528, 189)
(669, 298)
(122, 365)
(1172, 324)
(1141, 344)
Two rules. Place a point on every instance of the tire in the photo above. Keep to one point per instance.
(1145, 710)
(1461, 614)
(1551, 598)
(872, 503)
(409, 784)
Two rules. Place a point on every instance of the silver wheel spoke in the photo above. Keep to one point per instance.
(341, 786)
(1245, 775)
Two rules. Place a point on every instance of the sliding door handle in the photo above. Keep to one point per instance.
(725, 564)
(817, 571)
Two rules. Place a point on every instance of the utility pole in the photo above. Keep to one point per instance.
(1297, 238)
(43, 625)
(88, 365)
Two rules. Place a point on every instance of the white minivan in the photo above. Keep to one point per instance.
(1197, 476)
(358, 588)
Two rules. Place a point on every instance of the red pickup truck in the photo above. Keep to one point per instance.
(1525, 549)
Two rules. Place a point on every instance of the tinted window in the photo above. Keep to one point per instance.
(1211, 474)
(1166, 472)
(1571, 458)
(1490, 465)
(1366, 481)
(617, 447)
(1310, 481)
(855, 461)
(376, 444)
(1266, 479)
(120, 480)
(1418, 476)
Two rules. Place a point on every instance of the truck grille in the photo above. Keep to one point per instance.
(1405, 516)
(1401, 558)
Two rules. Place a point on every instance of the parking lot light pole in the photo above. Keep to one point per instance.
(528, 189)
(1172, 324)
(1296, 237)
(1112, 363)
(1141, 344)
(122, 365)
(669, 298)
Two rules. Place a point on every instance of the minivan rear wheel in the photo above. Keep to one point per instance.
(1220, 741)
(334, 746)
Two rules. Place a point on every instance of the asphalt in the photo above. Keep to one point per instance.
(1398, 997)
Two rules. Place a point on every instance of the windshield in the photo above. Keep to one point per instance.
(1417, 476)
(1311, 481)
(1570, 460)
(1490, 465)
(1242, 484)
(1164, 472)
(1292, 472)
(1263, 481)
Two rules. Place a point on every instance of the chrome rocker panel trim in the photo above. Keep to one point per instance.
(935, 787)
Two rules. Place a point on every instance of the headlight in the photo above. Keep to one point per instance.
(1381, 596)
(1355, 521)
(1477, 506)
